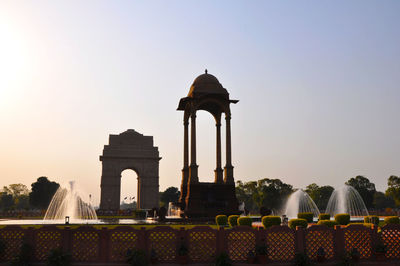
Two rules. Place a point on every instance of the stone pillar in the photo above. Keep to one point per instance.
(185, 169)
(193, 177)
(218, 169)
(228, 170)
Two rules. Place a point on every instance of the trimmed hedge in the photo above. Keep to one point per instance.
(232, 220)
(245, 220)
(306, 215)
(342, 218)
(324, 216)
(369, 225)
(373, 219)
(221, 220)
(268, 221)
(298, 222)
(328, 223)
(392, 220)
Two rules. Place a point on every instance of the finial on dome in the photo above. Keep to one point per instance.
(206, 71)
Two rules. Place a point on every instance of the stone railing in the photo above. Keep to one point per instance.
(87, 244)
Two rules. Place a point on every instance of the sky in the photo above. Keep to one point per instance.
(318, 84)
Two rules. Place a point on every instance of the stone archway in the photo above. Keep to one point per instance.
(129, 150)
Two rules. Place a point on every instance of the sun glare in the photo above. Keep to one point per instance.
(13, 62)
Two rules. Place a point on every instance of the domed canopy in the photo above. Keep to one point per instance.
(206, 84)
(207, 94)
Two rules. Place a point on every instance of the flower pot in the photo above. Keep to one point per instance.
(262, 259)
(182, 259)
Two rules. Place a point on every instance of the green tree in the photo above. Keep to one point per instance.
(247, 193)
(171, 194)
(16, 190)
(274, 192)
(320, 195)
(381, 201)
(365, 188)
(268, 193)
(6, 201)
(19, 194)
(393, 189)
(43, 191)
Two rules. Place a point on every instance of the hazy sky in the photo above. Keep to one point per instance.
(318, 84)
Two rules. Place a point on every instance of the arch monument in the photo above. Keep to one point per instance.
(202, 199)
(129, 150)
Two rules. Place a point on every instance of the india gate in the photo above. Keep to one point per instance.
(201, 199)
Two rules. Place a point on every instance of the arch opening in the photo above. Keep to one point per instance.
(129, 189)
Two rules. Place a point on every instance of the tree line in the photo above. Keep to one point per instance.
(19, 197)
(272, 193)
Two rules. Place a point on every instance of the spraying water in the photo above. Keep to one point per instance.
(346, 200)
(300, 201)
(68, 202)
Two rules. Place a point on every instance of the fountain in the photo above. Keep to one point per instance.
(173, 211)
(68, 202)
(300, 201)
(346, 200)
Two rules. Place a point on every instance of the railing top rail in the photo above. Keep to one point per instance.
(163, 229)
(279, 228)
(86, 228)
(202, 228)
(241, 228)
(357, 227)
(124, 229)
(319, 227)
(13, 228)
(391, 227)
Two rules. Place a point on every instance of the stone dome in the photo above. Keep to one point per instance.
(206, 84)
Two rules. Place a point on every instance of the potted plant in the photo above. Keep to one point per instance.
(380, 251)
(355, 255)
(136, 257)
(262, 253)
(58, 258)
(153, 256)
(222, 259)
(183, 254)
(251, 257)
(321, 254)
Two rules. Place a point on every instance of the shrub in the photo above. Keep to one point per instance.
(24, 257)
(392, 220)
(223, 259)
(183, 250)
(262, 249)
(373, 219)
(301, 259)
(232, 220)
(328, 223)
(324, 216)
(136, 258)
(221, 220)
(342, 218)
(2, 247)
(58, 258)
(306, 215)
(268, 221)
(297, 222)
(245, 220)
(368, 225)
